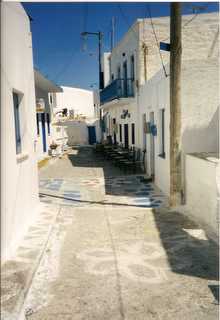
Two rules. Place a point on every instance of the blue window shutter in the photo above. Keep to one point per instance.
(48, 123)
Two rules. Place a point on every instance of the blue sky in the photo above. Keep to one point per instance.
(56, 28)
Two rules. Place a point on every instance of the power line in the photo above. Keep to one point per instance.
(126, 21)
(157, 42)
(67, 65)
(186, 24)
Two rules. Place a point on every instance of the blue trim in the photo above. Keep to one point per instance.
(43, 132)
(92, 134)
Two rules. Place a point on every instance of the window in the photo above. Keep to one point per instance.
(132, 68)
(120, 132)
(133, 133)
(119, 72)
(17, 122)
(125, 76)
(51, 98)
(132, 75)
(48, 123)
(162, 133)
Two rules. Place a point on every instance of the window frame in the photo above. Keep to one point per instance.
(17, 122)
(162, 153)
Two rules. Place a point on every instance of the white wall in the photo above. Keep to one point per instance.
(198, 40)
(153, 97)
(82, 101)
(201, 192)
(200, 119)
(200, 102)
(125, 49)
(19, 180)
(77, 132)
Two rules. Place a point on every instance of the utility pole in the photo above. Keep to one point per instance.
(175, 104)
(100, 36)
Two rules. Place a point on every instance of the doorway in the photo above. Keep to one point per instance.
(92, 134)
(152, 147)
(44, 139)
(126, 140)
(114, 132)
(144, 132)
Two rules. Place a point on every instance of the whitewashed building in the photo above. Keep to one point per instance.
(19, 178)
(136, 59)
(148, 108)
(199, 135)
(77, 109)
(45, 104)
(78, 102)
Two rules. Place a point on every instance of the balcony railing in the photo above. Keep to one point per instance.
(119, 88)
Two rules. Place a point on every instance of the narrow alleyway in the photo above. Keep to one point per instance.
(116, 252)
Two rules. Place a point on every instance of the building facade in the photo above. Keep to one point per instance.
(77, 110)
(141, 117)
(119, 98)
(45, 104)
(78, 102)
(19, 178)
(136, 59)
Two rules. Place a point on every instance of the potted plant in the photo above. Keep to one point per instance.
(53, 145)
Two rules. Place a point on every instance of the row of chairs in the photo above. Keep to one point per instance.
(131, 159)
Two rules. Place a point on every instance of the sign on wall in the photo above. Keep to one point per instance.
(40, 106)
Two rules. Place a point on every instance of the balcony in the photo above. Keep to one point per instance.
(119, 88)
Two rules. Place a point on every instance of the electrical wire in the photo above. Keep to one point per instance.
(65, 67)
(126, 21)
(156, 40)
(186, 24)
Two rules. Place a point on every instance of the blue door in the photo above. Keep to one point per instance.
(92, 135)
(43, 132)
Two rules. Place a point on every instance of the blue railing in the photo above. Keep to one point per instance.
(119, 88)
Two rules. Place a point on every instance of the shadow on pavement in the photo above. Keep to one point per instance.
(126, 184)
(188, 250)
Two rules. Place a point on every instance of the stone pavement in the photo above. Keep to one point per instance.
(17, 274)
(81, 191)
(116, 252)
(88, 180)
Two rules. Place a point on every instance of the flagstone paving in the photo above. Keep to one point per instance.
(127, 190)
(115, 250)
